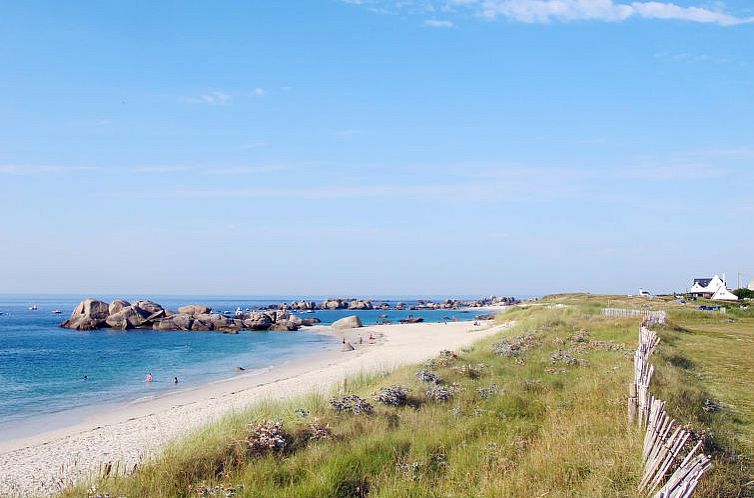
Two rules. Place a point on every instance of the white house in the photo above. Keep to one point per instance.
(723, 294)
(712, 288)
(751, 285)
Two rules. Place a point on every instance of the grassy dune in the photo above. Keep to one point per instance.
(550, 428)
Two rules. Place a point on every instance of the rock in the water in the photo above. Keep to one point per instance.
(117, 305)
(416, 319)
(89, 314)
(349, 322)
(128, 318)
(295, 320)
(257, 321)
(283, 326)
(308, 322)
(194, 309)
(347, 346)
(202, 325)
(180, 321)
(149, 306)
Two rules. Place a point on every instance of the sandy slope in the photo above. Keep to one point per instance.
(42, 464)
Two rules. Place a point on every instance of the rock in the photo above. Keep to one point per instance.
(89, 314)
(281, 316)
(128, 318)
(382, 316)
(347, 346)
(257, 321)
(194, 309)
(332, 304)
(149, 306)
(117, 305)
(284, 326)
(295, 320)
(349, 322)
(308, 322)
(180, 321)
(87, 324)
(412, 320)
(201, 325)
(360, 305)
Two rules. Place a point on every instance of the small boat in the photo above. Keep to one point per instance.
(56, 312)
(33, 307)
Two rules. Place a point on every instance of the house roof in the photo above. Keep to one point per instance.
(704, 282)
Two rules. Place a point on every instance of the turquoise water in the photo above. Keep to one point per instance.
(42, 366)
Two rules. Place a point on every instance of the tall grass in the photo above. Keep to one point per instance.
(549, 429)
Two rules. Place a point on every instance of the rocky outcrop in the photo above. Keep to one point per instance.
(89, 314)
(92, 314)
(194, 309)
(257, 321)
(129, 317)
(349, 322)
(117, 305)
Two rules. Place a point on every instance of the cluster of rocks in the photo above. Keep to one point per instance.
(93, 314)
(366, 304)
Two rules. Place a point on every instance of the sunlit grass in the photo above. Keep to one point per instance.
(548, 430)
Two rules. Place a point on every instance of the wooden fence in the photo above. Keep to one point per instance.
(650, 317)
(665, 441)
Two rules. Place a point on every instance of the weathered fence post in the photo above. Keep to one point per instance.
(633, 401)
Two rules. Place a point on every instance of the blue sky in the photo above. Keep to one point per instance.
(375, 147)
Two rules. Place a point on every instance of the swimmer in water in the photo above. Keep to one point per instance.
(175, 380)
(149, 377)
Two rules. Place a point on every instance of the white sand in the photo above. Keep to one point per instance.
(43, 464)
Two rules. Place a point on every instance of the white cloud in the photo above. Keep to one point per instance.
(212, 98)
(259, 91)
(438, 23)
(542, 11)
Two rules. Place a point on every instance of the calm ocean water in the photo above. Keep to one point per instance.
(42, 366)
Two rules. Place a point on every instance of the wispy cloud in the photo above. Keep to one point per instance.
(542, 11)
(212, 98)
(252, 145)
(243, 170)
(438, 23)
(160, 169)
(15, 169)
(259, 91)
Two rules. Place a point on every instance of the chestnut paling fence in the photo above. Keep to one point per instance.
(669, 449)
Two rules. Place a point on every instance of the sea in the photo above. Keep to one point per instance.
(50, 377)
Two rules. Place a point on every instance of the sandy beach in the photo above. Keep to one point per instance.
(42, 464)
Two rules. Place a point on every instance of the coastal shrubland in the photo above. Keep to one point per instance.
(539, 410)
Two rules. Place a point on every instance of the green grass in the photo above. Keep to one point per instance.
(551, 430)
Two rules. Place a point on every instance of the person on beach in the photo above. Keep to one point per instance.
(175, 380)
(149, 377)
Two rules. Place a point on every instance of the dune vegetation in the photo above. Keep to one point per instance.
(539, 410)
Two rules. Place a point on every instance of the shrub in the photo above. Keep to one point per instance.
(443, 393)
(351, 403)
(515, 346)
(316, 430)
(487, 392)
(428, 376)
(393, 396)
(267, 435)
